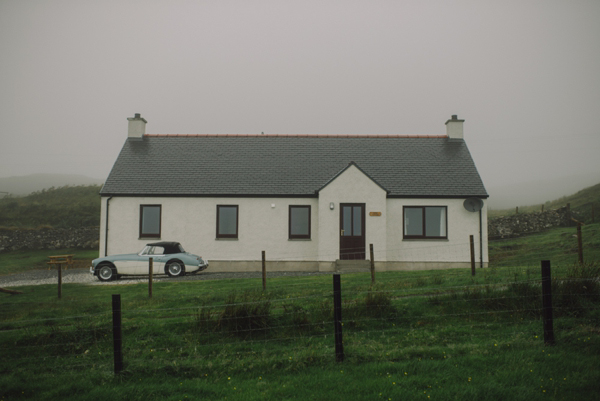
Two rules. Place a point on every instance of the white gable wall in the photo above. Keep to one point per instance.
(352, 186)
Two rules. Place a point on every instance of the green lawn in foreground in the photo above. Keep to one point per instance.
(440, 335)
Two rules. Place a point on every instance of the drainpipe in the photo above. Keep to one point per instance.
(106, 228)
(480, 240)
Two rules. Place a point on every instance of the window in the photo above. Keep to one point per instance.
(150, 221)
(227, 221)
(352, 220)
(299, 222)
(425, 222)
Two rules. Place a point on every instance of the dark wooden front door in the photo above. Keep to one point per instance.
(352, 231)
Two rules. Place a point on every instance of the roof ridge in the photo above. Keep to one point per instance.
(295, 135)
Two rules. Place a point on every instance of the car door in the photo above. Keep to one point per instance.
(158, 260)
(157, 253)
(128, 264)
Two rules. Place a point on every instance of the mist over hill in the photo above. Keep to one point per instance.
(539, 191)
(26, 184)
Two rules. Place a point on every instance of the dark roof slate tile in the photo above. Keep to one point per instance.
(290, 165)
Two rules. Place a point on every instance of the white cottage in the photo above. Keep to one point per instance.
(309, 201)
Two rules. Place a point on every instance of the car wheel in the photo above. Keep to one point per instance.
(175, 269)
(106, 273)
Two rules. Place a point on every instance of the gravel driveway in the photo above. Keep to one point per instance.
(38, 277)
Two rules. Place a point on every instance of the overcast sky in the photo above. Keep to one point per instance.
(524, 74)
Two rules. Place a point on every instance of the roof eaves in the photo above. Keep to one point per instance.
(291, 136)
(403, 196)
(207, 195)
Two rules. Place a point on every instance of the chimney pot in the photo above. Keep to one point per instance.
(454, 116)
(137, 115)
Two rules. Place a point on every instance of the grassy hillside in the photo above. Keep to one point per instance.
(27, 184)
(581, 203)
(55, 207)
(559, 245)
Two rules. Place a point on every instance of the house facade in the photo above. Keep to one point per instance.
(311, 202)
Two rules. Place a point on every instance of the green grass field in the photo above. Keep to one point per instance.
(558, 245)
(441, 335)
(21, 261)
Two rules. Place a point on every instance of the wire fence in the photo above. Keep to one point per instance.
(417, 314)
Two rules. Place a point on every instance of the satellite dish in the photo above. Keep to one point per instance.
(473, 204)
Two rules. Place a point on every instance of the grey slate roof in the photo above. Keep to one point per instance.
(263, 165)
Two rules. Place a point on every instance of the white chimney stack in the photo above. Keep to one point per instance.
(137, 127)
(454, 127)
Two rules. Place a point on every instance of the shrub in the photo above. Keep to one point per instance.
(579, 288)
(248, 316)
(378, 304)
(375, 306)
(204, 319)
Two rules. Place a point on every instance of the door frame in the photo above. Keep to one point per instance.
(361, 254)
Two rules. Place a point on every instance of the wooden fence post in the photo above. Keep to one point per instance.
(472, 244)
(117, 333)
(547, 303)
(150, 276)
(58, 260)
(372, 265)
(59, 267)
(337, 318)
(264, 272)
(579, 243)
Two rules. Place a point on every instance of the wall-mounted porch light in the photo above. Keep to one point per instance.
(331, 205)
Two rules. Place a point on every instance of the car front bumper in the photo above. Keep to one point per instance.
(200, 268)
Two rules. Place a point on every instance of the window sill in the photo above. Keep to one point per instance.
(426, 239)
(299, 239)
(226, 239)
(150, 238)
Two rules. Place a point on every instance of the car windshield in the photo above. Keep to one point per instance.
(168, 248)
(152, 250)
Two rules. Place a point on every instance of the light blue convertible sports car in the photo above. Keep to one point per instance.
(167, 257)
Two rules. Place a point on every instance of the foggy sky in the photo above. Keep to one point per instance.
(525, 76)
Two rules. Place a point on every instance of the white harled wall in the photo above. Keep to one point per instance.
(451, 252)
(263, 225)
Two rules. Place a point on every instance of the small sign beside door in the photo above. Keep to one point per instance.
(374, 213)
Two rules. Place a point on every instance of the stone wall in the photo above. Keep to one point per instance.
(49, 238)
(527, 223)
